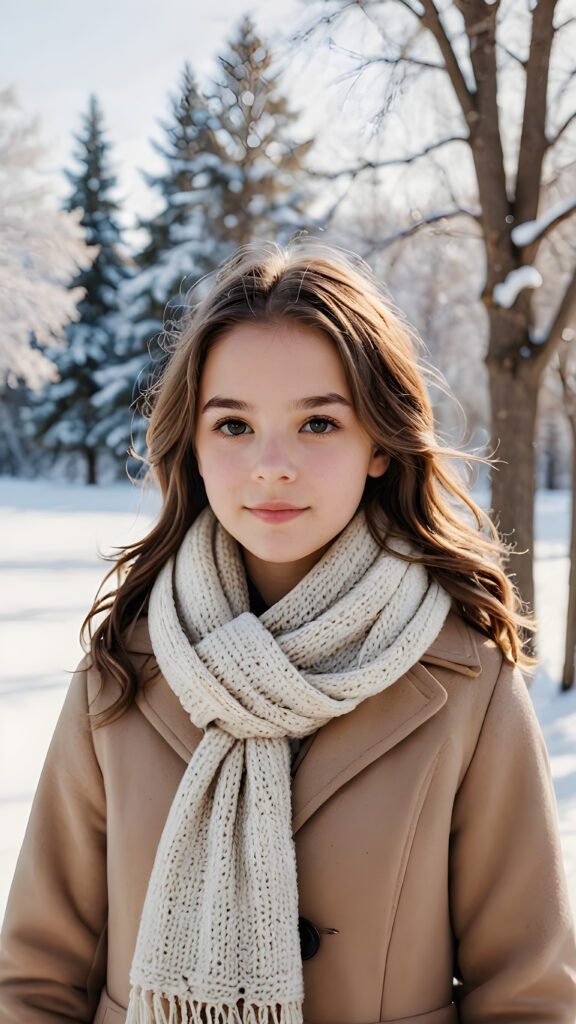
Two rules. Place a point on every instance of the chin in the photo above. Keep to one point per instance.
(277, 552)
(275, 557)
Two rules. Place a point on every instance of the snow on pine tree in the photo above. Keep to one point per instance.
(64, 417)
(181, 246)
(267, 189)
(181, 249)
(232, 173)
(41, 251)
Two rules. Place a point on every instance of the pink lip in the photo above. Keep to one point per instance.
(276, 506)
(276, 511)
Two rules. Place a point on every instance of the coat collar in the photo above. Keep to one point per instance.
(345, 746)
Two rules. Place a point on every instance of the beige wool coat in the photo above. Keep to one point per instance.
(426, 839)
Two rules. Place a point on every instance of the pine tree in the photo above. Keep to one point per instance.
(232, 173)
(191, 189)
(181, 248)
(266, 191)
(64, 417)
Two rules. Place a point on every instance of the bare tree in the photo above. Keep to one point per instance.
(567, 366)
(517, 137)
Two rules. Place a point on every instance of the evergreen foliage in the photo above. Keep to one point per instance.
(177, 249)
(232, 173)
(63, 417)
(265, 195)
(190, 186)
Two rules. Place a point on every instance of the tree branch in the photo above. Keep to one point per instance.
(485, 135)
(533, 141)
(509, 52)
(433, 218)
(372, 165)
(544, 351)
(410, 7)
(327, 217)
(403, 58)
(567, 376)
(362, 64)
(431, 19)
(552, 142)
(365, 8)
(305, 34)
(561, 92)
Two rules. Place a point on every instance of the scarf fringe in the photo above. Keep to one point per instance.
(147, 1007)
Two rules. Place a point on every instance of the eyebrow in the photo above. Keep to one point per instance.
(312, 402)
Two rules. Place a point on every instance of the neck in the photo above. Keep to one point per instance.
(274, 580)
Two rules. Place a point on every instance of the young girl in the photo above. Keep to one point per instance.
(298, 776)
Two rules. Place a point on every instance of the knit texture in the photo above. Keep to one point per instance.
(218, 938)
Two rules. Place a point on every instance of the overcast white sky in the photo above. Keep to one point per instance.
(130, 53)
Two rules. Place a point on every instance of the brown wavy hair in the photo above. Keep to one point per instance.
(420, 497)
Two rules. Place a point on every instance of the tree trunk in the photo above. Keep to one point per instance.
(570, 649)
(514, 394)
(91, 476)
(11, 450)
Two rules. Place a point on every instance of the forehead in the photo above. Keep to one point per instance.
(285, 356)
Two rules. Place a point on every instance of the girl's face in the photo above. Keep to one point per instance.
(282, 453)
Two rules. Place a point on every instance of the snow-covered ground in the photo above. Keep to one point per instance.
(50, 536)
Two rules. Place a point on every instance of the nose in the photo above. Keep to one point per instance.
(273, 461)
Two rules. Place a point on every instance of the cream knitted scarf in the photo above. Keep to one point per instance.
(218, 939)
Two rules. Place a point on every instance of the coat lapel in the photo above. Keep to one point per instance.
(343, 747)
(349, 744)
(160, 705)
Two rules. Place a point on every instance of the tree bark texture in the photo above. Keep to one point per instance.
(507, 197)
(568, 680)
(513, 396)
(91, 475)
(515, 364)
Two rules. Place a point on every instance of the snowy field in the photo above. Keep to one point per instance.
(50, 536)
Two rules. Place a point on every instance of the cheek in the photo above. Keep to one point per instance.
(349, 461)
(220, 468)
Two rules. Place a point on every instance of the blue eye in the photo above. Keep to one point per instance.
(233, 428)
(320, 425)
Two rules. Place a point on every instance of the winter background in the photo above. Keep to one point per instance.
(57, 54)
(131, 55)
(50, 536)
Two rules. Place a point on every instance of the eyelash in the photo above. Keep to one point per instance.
(313, 419)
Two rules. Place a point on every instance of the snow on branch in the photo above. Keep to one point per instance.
(42, 250)
(40, 254)
(506, 293)
(532, 230)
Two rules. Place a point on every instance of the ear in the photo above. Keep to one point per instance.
(379, 463)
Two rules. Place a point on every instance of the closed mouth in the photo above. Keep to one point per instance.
(276, 514)
(273, 506)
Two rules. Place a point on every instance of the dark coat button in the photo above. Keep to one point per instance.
(309, 938)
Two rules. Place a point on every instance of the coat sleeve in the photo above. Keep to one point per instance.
(53, 942)
(509, 902)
